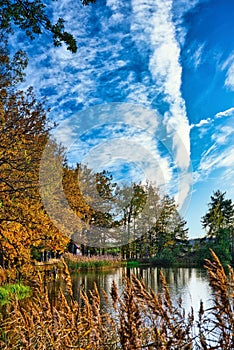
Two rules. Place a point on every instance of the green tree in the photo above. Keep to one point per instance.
(220, 215)
(170, 226)
(32, 18)
(131, 201)
(158, 224)
(147, 221)
(219, 222)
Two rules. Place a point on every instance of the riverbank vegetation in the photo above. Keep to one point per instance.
(93, 262)
(135, 318)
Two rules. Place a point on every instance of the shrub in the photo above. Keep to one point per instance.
(9, 291)
(164, 258)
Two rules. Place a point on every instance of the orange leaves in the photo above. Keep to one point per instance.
(24, 223)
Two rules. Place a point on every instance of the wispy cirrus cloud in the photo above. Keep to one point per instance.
(205, 122)
(223, 135)
(213, 160)
(101, 141)
(218, 138)
(153, 23)
(128, 52)
(227, 113)
(228, 66)
(197, 55)
(229, 82)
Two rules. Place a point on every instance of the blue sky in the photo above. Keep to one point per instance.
(149, 92)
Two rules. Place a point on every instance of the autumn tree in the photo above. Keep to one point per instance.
(33, 18)
(24, 132)
(91, 197)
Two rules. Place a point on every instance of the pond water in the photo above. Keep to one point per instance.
(191, 284)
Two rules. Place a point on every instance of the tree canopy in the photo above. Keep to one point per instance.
(219, 225)
(24, 129)
(220, 214)
(32, 17)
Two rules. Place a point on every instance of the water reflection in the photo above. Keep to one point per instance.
(189, 283)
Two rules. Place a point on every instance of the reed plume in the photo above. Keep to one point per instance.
(134, 318)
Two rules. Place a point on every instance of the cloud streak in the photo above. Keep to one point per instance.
(166, 70)
(205, 122)
(227, 113)
(228, 65)
(128, 52)
(153, 22)
(219, 155)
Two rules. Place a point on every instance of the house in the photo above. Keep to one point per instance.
(74, 248)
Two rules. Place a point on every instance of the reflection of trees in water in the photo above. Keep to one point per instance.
(191, 284)
(103, 279)
(177, 278)
(182, 282)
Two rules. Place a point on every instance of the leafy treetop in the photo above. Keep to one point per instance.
(220, 214)
(31, 17)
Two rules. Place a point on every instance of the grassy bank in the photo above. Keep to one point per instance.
(12, 291)
(75, 262)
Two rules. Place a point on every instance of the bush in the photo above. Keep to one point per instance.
(222, 250)
(10, 291)
(165, 259)
(133, 264)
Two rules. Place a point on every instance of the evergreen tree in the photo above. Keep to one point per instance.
(220, 215)
(170, 226)
(219, 223)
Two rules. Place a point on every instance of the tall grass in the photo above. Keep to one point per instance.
(137, 318)
(75, 262)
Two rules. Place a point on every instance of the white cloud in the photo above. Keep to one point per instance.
(217, 160)
(166, 69)
(229, 82)
(114, 152)
(228, 62)
(228, 65)
(223, 134)
(227, 113)
(201, 123)
(153, 22)
(197, 56)
(218, 157)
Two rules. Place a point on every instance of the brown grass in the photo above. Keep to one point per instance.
(137, 319)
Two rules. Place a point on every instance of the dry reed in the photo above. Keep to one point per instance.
(137, 318)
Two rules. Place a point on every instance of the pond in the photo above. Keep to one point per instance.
(191, 284)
